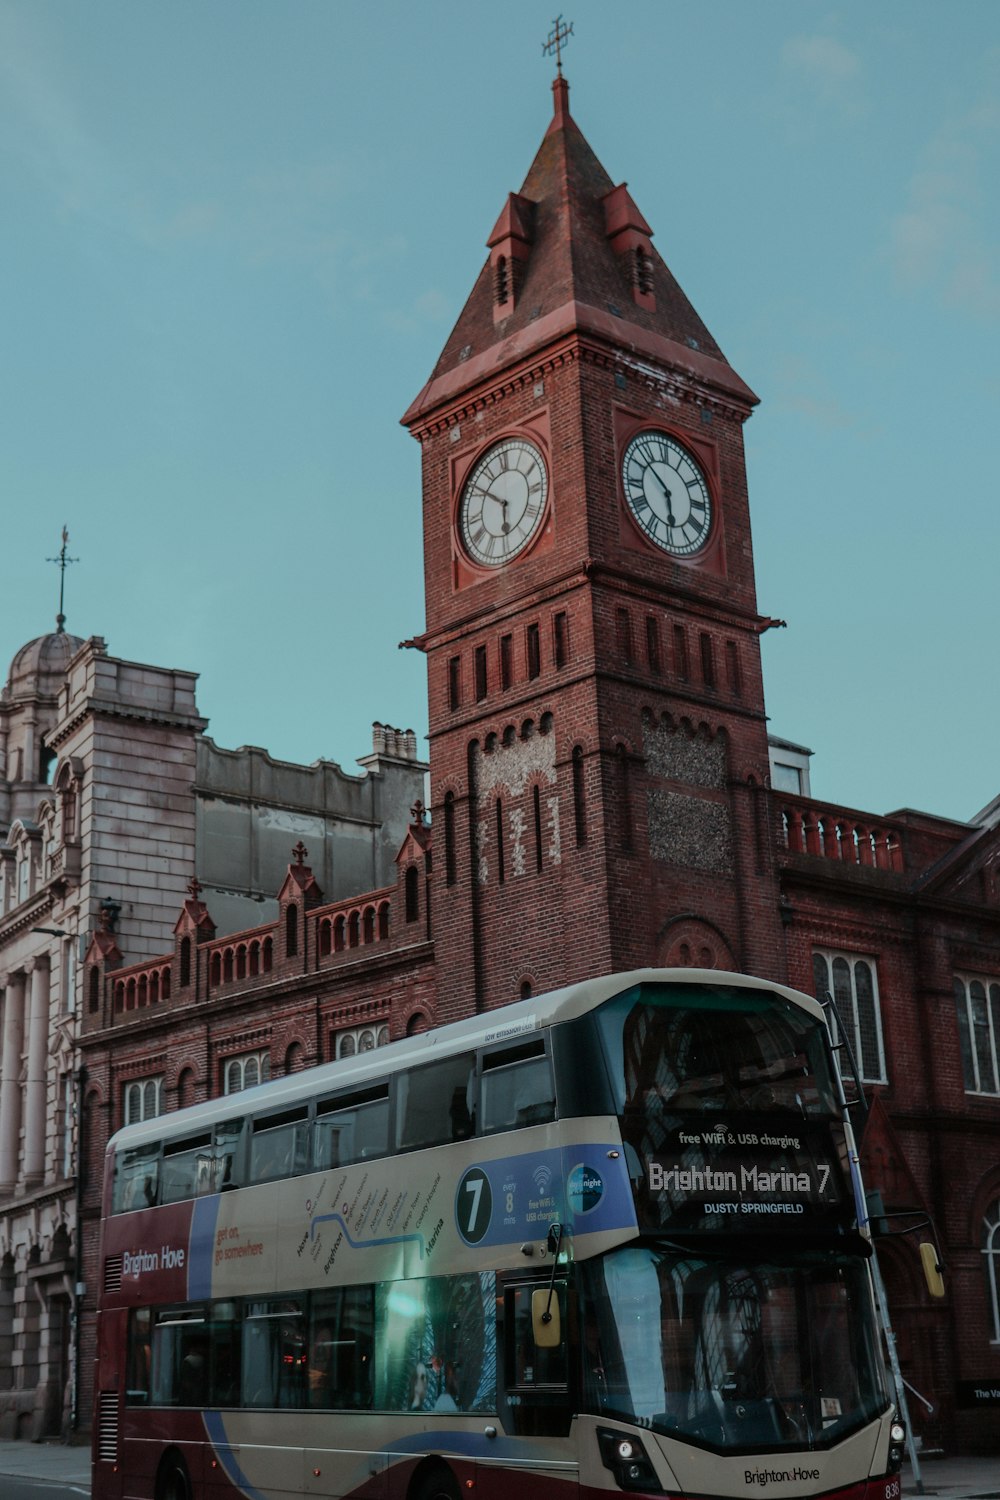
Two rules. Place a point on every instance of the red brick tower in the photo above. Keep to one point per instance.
(598, 739)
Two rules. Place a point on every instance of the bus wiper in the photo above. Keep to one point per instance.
(554, 1245)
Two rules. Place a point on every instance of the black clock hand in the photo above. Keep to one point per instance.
(670, 514)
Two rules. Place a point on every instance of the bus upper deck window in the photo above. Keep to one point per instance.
(352, 1127)
(517, 1088)
(279, 1145)
(437, 1103)
(137, 1176)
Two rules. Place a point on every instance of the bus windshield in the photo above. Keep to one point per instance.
(731, 1353)
(704, 1048)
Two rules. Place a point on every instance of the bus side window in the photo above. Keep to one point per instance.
(188, 1169)
(517, 1088)
(279, 1145)
(341, 1345)
(139, 1356)
(352, 1127)
(180, 1357)
(137, 1174)
(274, 1354)
(225, 1173)
(437, 1103)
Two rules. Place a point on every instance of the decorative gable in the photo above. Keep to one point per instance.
(510, 246)
(630, 237)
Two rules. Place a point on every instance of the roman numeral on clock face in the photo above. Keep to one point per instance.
(502, 504)
(667, 493)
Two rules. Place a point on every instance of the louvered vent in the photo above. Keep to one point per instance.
(107, 1427)
(113, 1273)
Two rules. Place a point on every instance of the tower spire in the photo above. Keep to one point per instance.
(62, 563)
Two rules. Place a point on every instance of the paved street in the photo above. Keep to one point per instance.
(69, 1468)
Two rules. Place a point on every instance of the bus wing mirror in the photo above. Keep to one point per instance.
(932, 1268)
(545, 1322)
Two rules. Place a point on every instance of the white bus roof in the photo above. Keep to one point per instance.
(508, 1022)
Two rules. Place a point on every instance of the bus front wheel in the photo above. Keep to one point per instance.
(173, 1481)
(438, 1483)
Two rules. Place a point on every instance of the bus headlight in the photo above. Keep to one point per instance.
(628, 1461)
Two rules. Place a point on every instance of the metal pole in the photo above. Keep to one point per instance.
(897, 1374)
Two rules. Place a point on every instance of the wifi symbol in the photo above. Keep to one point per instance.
(542, 1176)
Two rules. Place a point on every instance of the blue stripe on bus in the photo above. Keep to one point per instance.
(201, 1245)
(215, 1427)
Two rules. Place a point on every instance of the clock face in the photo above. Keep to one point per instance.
(667, 493)
(503, 501)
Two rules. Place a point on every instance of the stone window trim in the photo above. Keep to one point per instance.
(991, 1266)
(142, 1098)
(358, 1039)
(245, 1071)
(851, 981)
(977, 1013)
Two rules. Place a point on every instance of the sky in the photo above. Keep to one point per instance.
(235, 235)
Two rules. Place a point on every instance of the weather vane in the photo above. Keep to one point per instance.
(62, 562)
(558, 37)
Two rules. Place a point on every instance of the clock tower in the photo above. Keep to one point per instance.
(598, 737)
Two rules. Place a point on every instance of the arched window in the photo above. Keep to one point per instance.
(369, 924)
(246, 1072)
(325, 937)
(991, 1262)
(254, 958)
(94, 988)
(291, 931)
(338, 935)
(185, 1088)
(267, 957)
(215, 968)
(227, 966)
(353, 929)
(850, 980)
(383, 922)
(142, 1100)
(165, 984)
(185, 961)
(241, 961)
(412, 882)
(295, 1057)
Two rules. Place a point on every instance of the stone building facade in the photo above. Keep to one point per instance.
(111, 796)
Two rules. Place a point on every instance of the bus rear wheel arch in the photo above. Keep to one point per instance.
(173, 1482)
(434, 1481)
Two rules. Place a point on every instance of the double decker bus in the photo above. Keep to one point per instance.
(607, 1239)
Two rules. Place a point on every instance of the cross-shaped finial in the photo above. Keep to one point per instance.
(299, 852)
(195, 887)
(417, 813)
(558, 37)
(62, 562)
